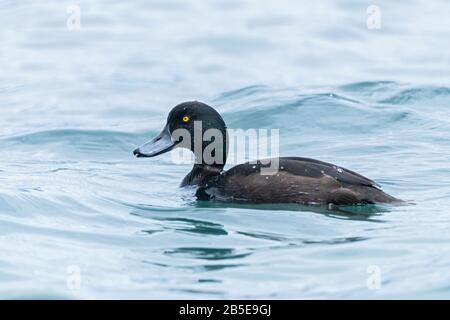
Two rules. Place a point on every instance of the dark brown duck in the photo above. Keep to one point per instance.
(297, 180)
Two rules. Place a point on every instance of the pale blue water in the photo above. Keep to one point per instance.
(74, 104)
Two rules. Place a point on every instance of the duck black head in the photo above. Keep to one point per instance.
(193, 125)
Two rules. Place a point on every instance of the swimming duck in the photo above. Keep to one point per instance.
(298, 180)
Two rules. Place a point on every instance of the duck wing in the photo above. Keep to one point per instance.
(316, 169)
(305, 167)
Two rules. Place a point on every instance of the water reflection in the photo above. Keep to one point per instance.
(198, 292)
(195, 266)
(207, 253)
(358, 212)
(300, 241)
(198, 226)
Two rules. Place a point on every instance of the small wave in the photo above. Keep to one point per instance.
(321, 111)
(242, 92)
(70, 142)
(418, 95)
(329, 97)
(368, 86)
(61, 134)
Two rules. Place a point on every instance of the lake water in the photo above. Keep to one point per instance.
(80, 217)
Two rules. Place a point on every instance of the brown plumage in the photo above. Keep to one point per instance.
(299, 180)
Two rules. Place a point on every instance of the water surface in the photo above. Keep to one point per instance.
(74, 104)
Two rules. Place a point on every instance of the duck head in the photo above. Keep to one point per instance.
(193, 125)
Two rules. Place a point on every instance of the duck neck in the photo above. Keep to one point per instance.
(211, 161)
(201, 174)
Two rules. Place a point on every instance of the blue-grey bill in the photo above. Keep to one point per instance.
(158, 145)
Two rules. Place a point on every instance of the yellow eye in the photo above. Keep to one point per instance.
(185, 119)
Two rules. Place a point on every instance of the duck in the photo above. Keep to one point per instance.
(297, 179)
